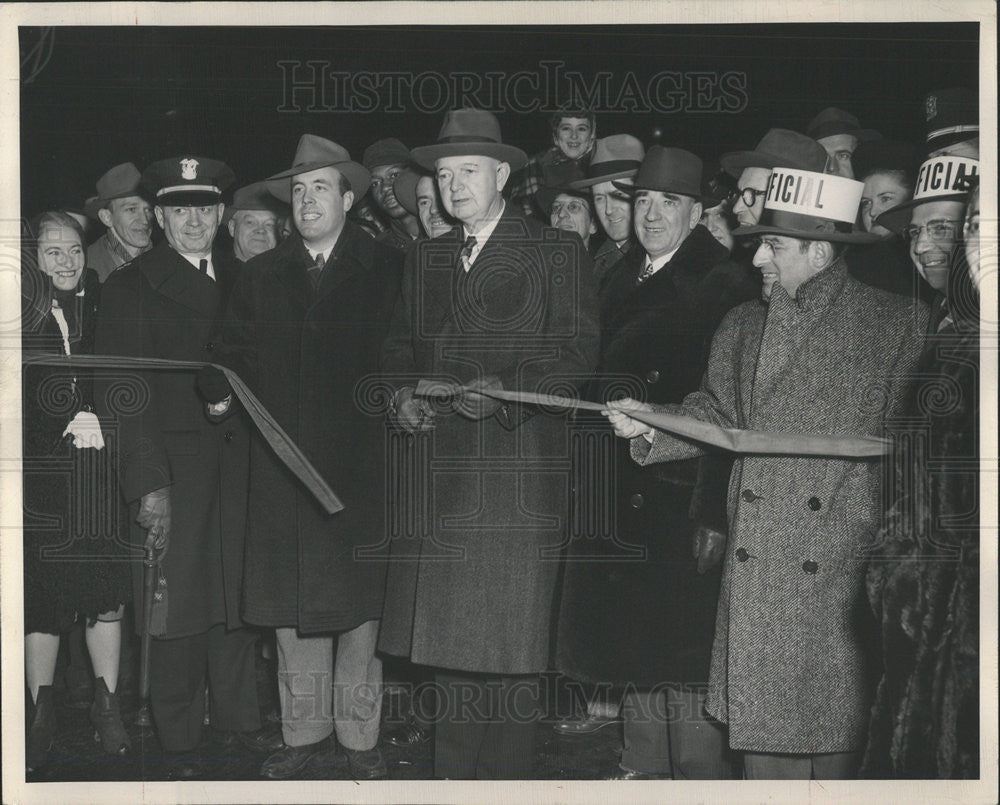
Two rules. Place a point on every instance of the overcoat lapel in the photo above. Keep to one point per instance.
(175, 278)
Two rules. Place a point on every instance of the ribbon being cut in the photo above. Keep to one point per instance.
(732, 439)
(280, 442)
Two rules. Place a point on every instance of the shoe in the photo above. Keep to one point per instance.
(629, 774)
(289, 760)
(366, 764)
(42, 731)
(409, 734)
(587, 725)
(105, 715)
(185, 765)
(266, 739)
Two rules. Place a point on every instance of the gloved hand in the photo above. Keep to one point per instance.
(707, 547)
(479, 406)
(85, 430)
(212, 385)
(413, 414)
(154, 514)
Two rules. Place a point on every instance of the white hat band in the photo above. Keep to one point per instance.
(944, 176)
(819, 195)
(190, 188)
(951, 130)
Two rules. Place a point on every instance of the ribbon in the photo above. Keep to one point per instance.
(279, 441)
(733, 439)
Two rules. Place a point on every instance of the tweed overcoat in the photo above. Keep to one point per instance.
(655, 342)
(791, 658)
(160, 306)
(311, 357)
(471, 587)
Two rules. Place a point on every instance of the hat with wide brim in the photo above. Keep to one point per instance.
(668, 170)
(833, 121)
(778, 148)
(469, 132)
(254, 196)
(121, 181)
(312, 154)
(809, 205)
(404, 188)
(617, 156)
(944, 178)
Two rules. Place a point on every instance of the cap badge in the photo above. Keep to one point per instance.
(189, 169)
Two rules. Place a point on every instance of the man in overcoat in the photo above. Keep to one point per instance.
(502, 302)
(303, 328)
(183, 476)
(636, 612)
(823, 354)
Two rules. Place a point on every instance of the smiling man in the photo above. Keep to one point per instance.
(120, 206)
(386, 160)
(504, 303)
(252, 220)
(821, 353)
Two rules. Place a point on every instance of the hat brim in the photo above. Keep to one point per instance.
(896, 218)
(632, 189)
(405, 190)
(188, 198)
(426, 155)
(858, 238)
(582, 184)
(231, 210)
(833, 129)
(93, 205)
(280, 185)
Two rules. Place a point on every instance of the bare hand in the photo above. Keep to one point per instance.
(413, 414)
(479, 406)
(707, 547)
(154, 514)
(627, 428)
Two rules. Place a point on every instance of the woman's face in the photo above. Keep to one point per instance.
(61, 256)
(882, 192)
(716, 221)
(972, 239)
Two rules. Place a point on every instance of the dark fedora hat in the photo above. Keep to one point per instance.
(469, 132)
(188, 181)
(669, 170)
(810, 205)
(121, 181)
(779, 147)
(885, 155)
(312, 154)
(404, 187)
(952, 116)
(832, 121)
(617, 156)
(389, 151)
(254, 197)
(560, 180)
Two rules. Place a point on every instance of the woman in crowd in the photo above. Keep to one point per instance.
(74, 566)
(923, 581)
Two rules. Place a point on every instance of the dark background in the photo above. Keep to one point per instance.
(94, 97)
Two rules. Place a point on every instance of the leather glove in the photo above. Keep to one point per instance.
(212, 385)
(412, 414)
(707, 547)
(154, 514)
(478, 406)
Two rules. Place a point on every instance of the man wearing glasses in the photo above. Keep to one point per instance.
(932, 223)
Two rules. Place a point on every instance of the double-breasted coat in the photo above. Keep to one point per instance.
(791, 658)
(161, 306)
(472, 590)
(634, 609)
(311, 357)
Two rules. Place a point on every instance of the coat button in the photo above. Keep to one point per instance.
(209, 346)
(742, 555)
(749, 496)
(637, 500)
(652, 376)
(814, 504)
(229, 436)
(810, 566)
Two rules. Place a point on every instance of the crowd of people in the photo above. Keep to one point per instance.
(803, 609)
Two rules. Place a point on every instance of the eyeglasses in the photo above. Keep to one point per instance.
(750, 194)
(936, 230)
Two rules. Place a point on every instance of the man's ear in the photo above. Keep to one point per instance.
(503, 174)
(348, 200)
(104, 216)
(232, 227)
(158, 212)
(696, 212)
(220, 210)
(820, 253)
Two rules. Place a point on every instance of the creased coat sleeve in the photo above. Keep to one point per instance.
(397, 355)
(143, 465)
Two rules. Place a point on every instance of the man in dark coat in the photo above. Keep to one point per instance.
(385, 160)
(304, 327)
(184, 477)
(501, 303)
(638, 607)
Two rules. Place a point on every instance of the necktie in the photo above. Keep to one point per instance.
(465, 255)
(203, 266)
(645, 274)
(947, 323)
(316, 270)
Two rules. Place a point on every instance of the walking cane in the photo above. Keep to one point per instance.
(142, 718)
